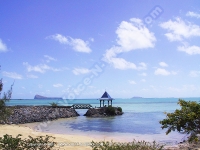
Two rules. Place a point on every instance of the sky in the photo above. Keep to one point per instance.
(78, 49)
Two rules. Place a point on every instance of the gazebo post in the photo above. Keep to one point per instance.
(108, 102)
(111, 102)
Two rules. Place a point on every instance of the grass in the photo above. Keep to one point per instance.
(53, 104)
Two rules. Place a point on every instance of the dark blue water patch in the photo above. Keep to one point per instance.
(138, 123)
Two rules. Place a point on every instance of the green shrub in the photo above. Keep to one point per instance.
(186, 120)
(16, 143)
(10, 143)
(119, 109)
(135, 145)
(110, 110)
(53, 104)
(40, 142)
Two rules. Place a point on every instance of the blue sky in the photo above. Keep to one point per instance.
(79, 49)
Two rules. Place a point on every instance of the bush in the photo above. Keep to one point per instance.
(110, 110)
(53, 104)
(4, 111)
(186, 120)
(40, 142)
(10, 143)
(16, 143)
(135, 145)
(119, 109)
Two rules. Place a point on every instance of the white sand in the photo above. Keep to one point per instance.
(67, 136)
(66, 140)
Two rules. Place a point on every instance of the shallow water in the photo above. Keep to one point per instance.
(140, 120)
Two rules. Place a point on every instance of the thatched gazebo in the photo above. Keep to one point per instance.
(105, 97)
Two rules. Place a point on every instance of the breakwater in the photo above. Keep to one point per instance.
(28, 114)
(104, 112)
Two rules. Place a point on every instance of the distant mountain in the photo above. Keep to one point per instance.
(43, 97)
(136, 97)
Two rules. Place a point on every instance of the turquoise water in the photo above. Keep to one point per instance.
(128, 105)
(141, 117)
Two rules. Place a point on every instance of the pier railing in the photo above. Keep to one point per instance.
(81, 106)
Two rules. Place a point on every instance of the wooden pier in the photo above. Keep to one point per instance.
(82, 106)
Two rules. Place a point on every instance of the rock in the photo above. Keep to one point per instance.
(102, 112)
(28, 114)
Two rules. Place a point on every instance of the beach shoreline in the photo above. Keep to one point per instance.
(69, 142)
(74, 139)
(137, 123)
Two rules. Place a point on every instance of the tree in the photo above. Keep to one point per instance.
(186, 120)
(4, 111)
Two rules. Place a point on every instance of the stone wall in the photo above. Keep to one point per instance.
(28, 114)
(102, 112)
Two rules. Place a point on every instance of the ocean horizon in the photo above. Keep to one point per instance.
(141, 118)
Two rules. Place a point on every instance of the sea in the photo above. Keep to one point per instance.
(140, 120)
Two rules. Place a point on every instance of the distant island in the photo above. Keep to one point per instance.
(43, 97)
(136, 97)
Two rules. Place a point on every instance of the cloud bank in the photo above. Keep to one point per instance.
(131, 35)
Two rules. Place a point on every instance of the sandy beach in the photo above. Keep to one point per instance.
(63, 141)
(68, 141)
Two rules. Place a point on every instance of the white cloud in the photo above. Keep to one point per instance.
(122, 64)
(142, 66)
(132, 82)
(78, 71)
(60, 38)
(49, 58)
(184, 88)
(58, 85)
(42, 68)
(191, 50)
(143, 80)
(178, 29)
(92, 39)
(3, 47)
(194, 73)
(160, 71)
(143, 74)
(193, 14)
(78, 45)
(32, 76)
(163, 64)
(134, 35)
(131, 36)
(12, 75)
(112, 53)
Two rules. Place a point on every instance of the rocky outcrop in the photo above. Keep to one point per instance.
(103, 112)
(28, 114)
(43, 97)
